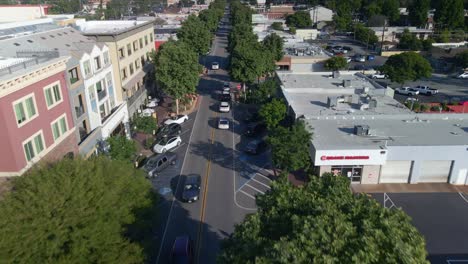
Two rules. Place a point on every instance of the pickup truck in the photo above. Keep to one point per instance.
(423, 89)
(407, 91)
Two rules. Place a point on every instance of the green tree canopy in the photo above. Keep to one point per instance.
(277, 26)
(145, 124)
(211, 18)
(274, 43)
(177, 69)
(409, 41)
(121, 148)
(418, 12)
(366, 35)
(263, 92)
(391, 9)
(323, 222)
(336, 63)
(249, 61)
(300, 19)
(290, 147)
(462, 59)
(75, 211)
(407, 66)
(450, 14)
(273, 113)
(196, 34)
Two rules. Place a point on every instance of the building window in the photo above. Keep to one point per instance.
(129, 49)
(131, 68)
(141, 43)
(59, 127)
(106, 58)
(97, 62)
(124, 73)
(87, 67)
(143, 60)
(33, 146)
(151, 37)
(354, 173)
(73, 75)
(146, 40)
(137, 64)
(25, 109)
(135, 45)
(109, 80)
(92, 96)
(121, 53)
(53, 95)
(102, 110)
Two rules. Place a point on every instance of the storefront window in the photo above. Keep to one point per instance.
(354, 173)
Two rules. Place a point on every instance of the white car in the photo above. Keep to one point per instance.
(226, 86)
(179, 119)
(223, 123)
(463, 75)
(166, 144)
(224, 107)
(378, 75)
(407, 91)
(147, 112)
(152, 103)
(348, 59)
(215, 66)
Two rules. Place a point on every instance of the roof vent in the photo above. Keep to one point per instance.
(346, 83)
(336, 74)
(361, 130)
(372, 103)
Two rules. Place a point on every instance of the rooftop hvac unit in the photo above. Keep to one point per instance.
(372, 103)
(361, 130)
(346, 83)
(336, 74)
(332, 101)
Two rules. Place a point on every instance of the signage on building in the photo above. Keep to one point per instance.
(350, 157)
(344, 157)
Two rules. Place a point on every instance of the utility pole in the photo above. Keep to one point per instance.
(383, 36)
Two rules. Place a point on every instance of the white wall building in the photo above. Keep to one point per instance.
(12, 13)
(320, 14)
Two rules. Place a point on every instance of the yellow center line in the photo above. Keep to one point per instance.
(205, 190)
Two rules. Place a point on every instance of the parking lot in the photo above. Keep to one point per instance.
(442, 218)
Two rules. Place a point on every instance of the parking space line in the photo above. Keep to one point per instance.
(463, 197)
(183, 132)
(261, 175)
(178, 147)
(248, 185)
(450, 261)
(261, 183)
(249, 195)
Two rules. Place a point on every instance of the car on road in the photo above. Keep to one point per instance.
(170, 130)
(224, 107)
(256, 146)
(359, 58)
(223, 123)
(166, 144)
(407, 91)
(178, 119)
(215, 66)
(255, 129)
(379, 75)
(424, 89)
(370, 57)
(226, 86)
(463, 75)
(182, 251)
(223, 97)
(191, 191)
(157, 163)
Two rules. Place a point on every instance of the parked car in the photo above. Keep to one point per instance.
(170, 130)
(347, 48)
(182, 251)
(359, 58)
(215, 66)
(370, 57)
(157, 163)
(223, 97)
(348, 59)
(223, 123)
(256, 146)
(424, 89)
(152, 103)
(166, 144)
(178, 119)
(191, 191)
(463, 75)
(407, 91)
(224, 107)
(255, 129)
(379, 75)
(226, 86)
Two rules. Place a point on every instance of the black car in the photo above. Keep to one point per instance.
(255, 129)
(347, 48)
(191, 189)
(168, 131)
(182, 251)
(256, 146)
(158, 163)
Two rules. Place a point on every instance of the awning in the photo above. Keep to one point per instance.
(137, 77)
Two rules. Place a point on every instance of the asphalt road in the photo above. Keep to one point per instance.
(225, 171)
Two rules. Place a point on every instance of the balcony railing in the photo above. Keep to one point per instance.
(102, 94)
(135, 96)
(79, 110)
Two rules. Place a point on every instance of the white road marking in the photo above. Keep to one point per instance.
(450, 261)
(183, 132)
(388, 199)
(261, 183)
(257, 190)
(463, 197)
(249, 195)
(177, 187)
(178, 147)
(261, 175)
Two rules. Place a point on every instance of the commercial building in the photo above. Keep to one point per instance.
(320, 14)
(361, 132)
(11, 13)
(130, 44)
(37, 122)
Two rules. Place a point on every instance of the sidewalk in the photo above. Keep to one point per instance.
(409, 188)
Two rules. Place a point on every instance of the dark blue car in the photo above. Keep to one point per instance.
(182, 251)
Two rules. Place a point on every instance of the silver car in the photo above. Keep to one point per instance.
(223, 123)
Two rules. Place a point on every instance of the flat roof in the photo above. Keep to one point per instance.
(390, 130)
(110, 26)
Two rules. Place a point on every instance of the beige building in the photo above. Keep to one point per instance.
(130, 44)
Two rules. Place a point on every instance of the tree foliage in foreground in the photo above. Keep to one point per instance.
(323, 222)
(274, 44)
(121, 148)
(273, 113)
(300, 19)
(76, 211)
(336, 63)
(196, 34)
(407, 66)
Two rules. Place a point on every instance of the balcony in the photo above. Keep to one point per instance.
(102, 94)
(135, 96)
(79, 111)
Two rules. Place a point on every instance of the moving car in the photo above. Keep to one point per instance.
(359, 58)
(256, 146)
(170, 130)
(178, 119)
(224, 107)
(182, 251)
(424, 89)
(215, 66)
(223, 123)
(166, 144)
(407, 91)
(226, 86)
(255, 129)
(463, 75)
(379, 75)
(157, 163)
(225, 97)
(191, 190)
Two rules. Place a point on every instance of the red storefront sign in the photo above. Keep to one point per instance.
(344, 157)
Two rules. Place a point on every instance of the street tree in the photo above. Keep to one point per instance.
(277, 26)
(336, 63)
(462, 59)
(418, 10)
(323, 222)
(249, 61)
(177, 69)
(290, 147)
(145, 124)
(407, 66)
(450, 14)
(365, 35)
(409, 41)
(273, 113)
(77, 211)
(211, 18)
(300, 19)
(391, 9)
(196, 34)
(274, 43)
(263, 92)
(121, 148)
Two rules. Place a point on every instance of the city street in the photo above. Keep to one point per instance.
(226, 173)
